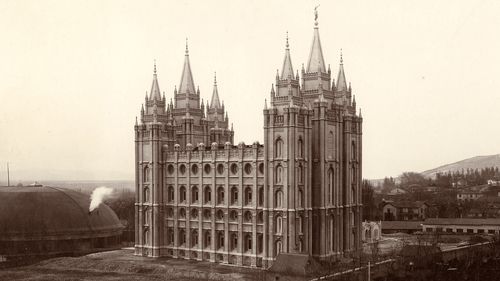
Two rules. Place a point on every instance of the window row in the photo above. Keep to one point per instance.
(279, 148)
(248, 197)
(219, 215)
(247, 241)
(207, 168)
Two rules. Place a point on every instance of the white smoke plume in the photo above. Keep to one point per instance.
(98, 195)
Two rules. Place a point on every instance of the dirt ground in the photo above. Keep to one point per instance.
(123, 265)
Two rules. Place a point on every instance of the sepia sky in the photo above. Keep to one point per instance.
(73, 75)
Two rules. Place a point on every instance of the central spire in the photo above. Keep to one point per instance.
(187, 83)
(316, 62)
(287, 71)
(215, 102)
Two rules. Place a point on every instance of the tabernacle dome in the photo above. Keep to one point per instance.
(42, 220)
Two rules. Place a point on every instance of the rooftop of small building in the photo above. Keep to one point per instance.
(401, 225)
(462, 221)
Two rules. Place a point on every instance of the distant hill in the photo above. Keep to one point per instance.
(477, 162)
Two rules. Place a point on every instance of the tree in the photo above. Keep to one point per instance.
(369, 206)
(412, 178)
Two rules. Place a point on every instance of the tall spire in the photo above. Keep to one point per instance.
(215, 102)
(187, 83)
(341, 82)
(287, 70)
(155, 88)
(316, 62)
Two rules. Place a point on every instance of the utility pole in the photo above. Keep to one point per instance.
(8, 175)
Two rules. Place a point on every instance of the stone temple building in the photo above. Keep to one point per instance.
(200, 197)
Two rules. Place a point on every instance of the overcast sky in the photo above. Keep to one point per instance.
(73, 75)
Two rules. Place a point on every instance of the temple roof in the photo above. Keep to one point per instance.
(341, 82)
(316, 62)
(287, 70)
(215, 102)
(187, 83)
(155, 88)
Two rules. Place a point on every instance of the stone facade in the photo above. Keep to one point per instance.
(200, 197)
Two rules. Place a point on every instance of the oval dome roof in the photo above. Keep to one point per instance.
(47, 213)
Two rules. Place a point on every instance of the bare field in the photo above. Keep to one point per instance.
(122, 265)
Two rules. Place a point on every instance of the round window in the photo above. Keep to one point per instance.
(170, 169)
(248, 168)
(234, 169)
(261, 168)
(220, 169)
(182, 169)
(194, 169)
(207, 168)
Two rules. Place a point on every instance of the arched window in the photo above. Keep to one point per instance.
(220, 195)
(353, 175)
(147, 174)
(248, 217)
(234, 195)
(279, 225)
(171, 194)
(234, 241)
(331, 189)
(248, 195)
(147, 218)
(260, 217)
(194, 214)
(279, 247)
(208, 194)
(353, 150)
(220, 239)
(278, 200)
(170, 213)
(331, 233)
(248, 242)
(146, 195)
(279, 174)
(194, 238)
(299, 225)
(182, 194)
(353, 194)
(278, 147)
(182, 237)
(182, 213)
(261, 195)
(261, 168)
(207, 239)
(301, 198)
(146, 237)
(170, 236)
(300, 148)
(207, 214)
(194, 194)
(260, 243)
(220, 215)
(330, 145)
(233, 215)
(300, 173)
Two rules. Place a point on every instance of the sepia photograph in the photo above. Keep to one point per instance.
(249, 140)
